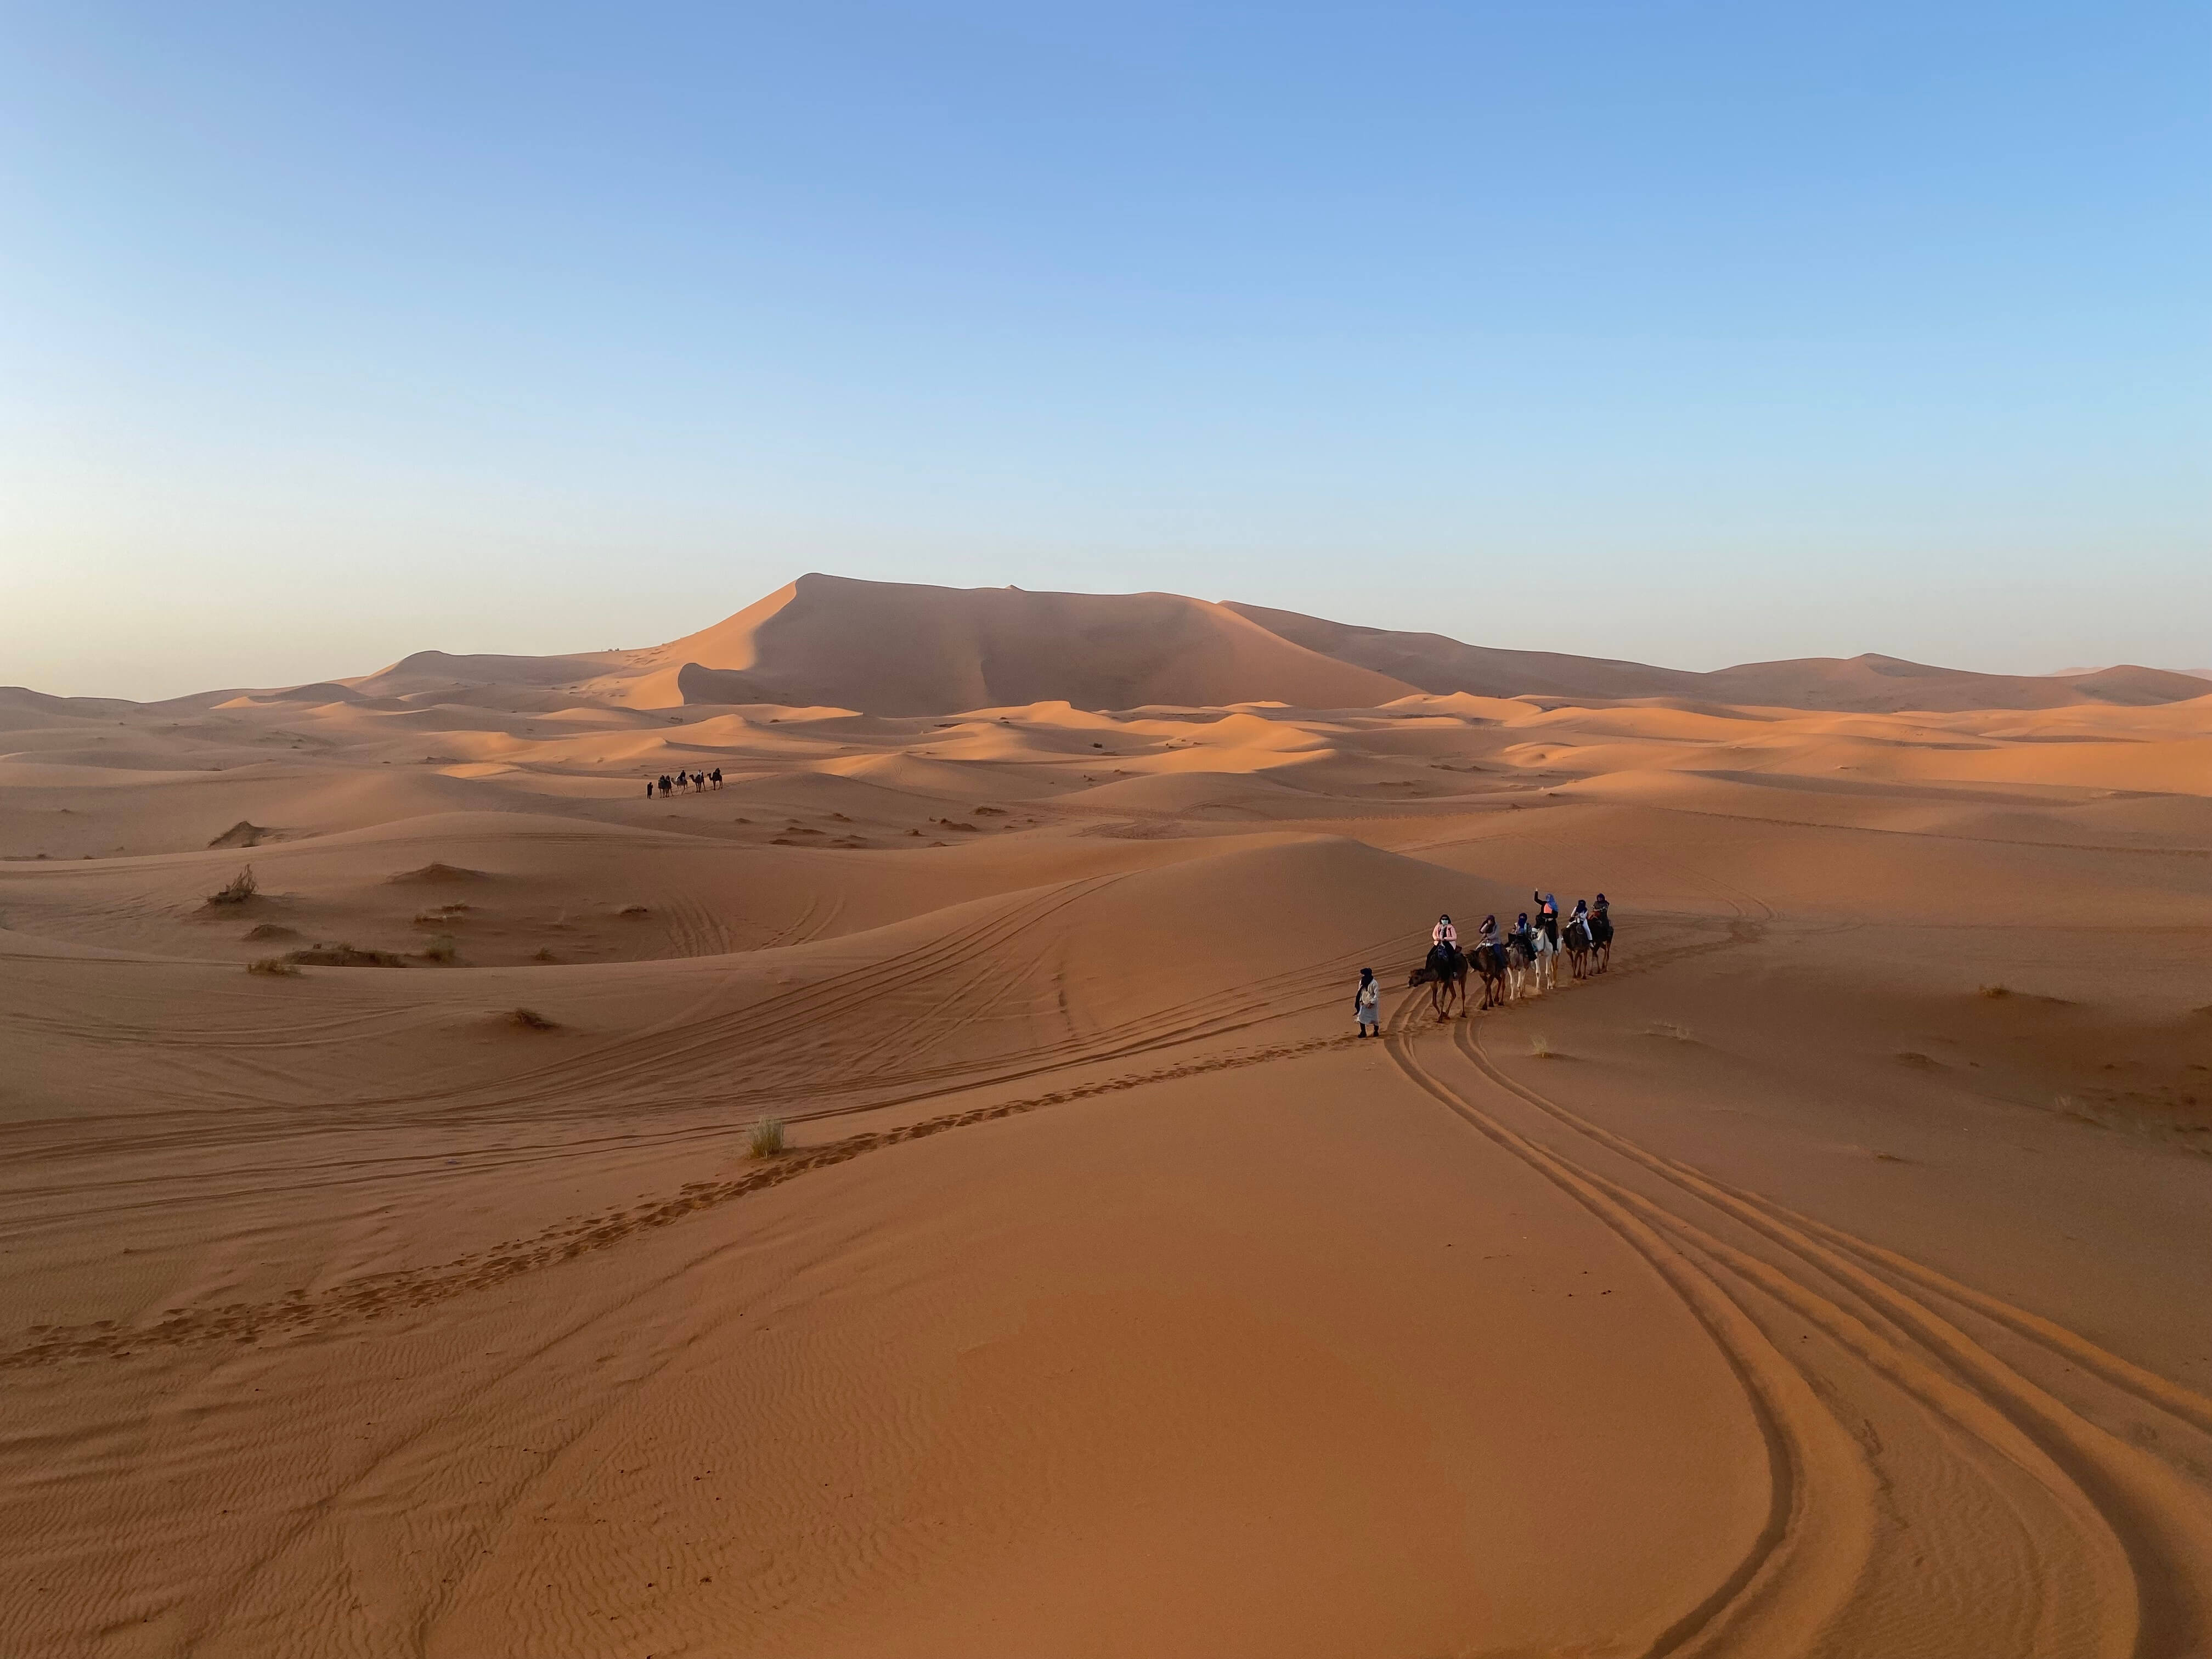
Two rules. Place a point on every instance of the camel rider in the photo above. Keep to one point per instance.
(1582, 915)
(1489, 937)
(1523, 935)
(1444, 932)
(1547, 915)
(1597, 912)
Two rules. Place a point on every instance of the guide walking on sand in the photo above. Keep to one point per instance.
(1366, 1003)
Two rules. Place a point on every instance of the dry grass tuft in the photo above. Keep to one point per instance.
(1540, 1046)
(544, 953)
(633, 910)
(530, 1020)
(1996, 990)
(766, 1139)
(442, 949)
(240, 888)
(275, 967)
(342, 955)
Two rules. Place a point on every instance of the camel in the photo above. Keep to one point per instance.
(1490, 960)
(1543, 961)
(1445, 974)
(1518, 960)
(1575, 938)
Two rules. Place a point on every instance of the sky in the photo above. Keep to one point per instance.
(1688, 333)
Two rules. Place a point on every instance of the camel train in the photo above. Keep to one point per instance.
(1524, 962)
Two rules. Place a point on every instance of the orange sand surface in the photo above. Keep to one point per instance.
(1831, 1276)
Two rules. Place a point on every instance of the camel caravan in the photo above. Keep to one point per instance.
(1525, 962)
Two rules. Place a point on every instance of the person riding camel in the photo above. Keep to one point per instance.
(1444, 932)
(1523, 935)
(1486, 939)
(1547, 915)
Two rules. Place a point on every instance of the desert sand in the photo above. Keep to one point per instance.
(423, 1296)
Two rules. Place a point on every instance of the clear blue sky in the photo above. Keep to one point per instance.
(1691, 333)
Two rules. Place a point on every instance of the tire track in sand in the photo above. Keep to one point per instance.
(2061, 1536)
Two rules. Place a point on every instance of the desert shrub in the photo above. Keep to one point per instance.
(766, 1139)
(240, 888)
(275, 966)
(1540, 1045)
(632, 910)
(530, 1020)
(442, 949)
(544, 953)
(342, 955)
(1996, 990)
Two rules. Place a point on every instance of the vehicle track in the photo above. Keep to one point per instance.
(2069, 1538)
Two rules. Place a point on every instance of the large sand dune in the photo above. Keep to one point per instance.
(1828, 1277)
(895, 649)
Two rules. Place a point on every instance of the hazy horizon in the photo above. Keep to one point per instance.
(1687, 337)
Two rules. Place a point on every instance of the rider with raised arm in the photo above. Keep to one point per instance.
(1547, 915)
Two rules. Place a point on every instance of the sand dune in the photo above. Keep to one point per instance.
(891, 648)
(1825, 1278)
(1870, 684)
(832, 643)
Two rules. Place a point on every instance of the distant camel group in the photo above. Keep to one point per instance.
(699, 782)
(1526, 962)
